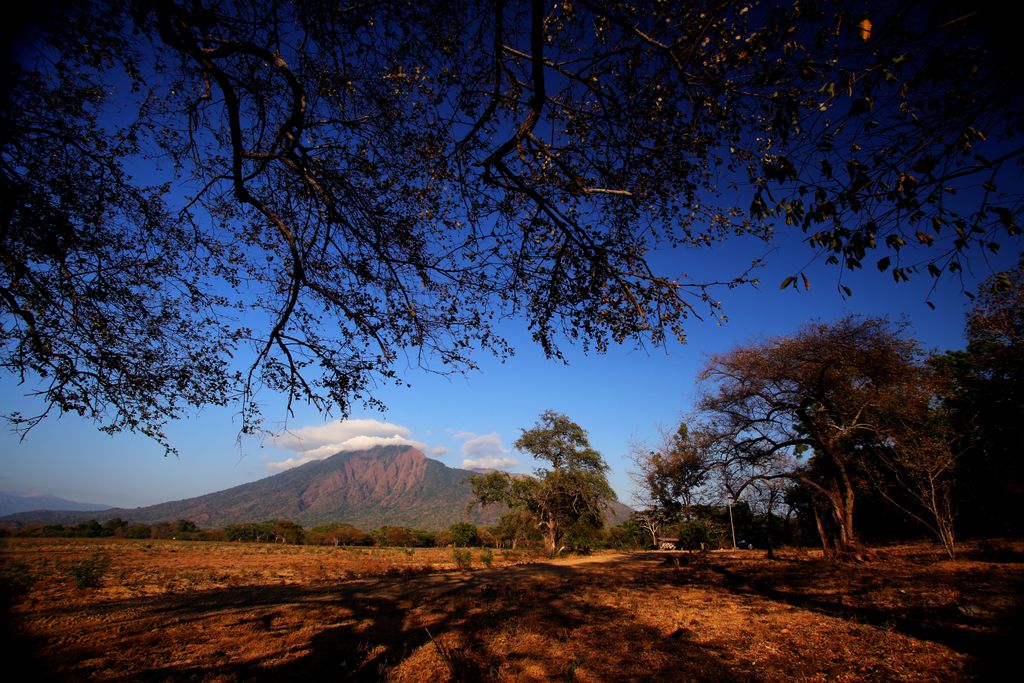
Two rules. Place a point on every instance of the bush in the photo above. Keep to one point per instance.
(88, 573)
(486, 557)
(134, 531)
(16, 578)
(463, 558)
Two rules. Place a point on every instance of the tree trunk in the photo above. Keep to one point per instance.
(826, 544)
(549, 531)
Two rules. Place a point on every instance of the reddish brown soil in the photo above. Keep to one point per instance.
(230, 612)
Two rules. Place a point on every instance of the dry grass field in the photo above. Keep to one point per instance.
(171, 610)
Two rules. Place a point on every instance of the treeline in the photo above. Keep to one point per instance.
(116, 527)
(709, 528)
(461, 534)
(854, 432)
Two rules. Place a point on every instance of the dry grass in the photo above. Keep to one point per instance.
(226, 612)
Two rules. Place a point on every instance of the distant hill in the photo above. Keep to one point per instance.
(394, 485)
(11, 503)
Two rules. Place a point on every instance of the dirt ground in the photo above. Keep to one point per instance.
(171, 611)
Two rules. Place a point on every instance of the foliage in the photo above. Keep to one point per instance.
(699, 534)
(515, 528)
(487, 557)
(984, 402)
(287, 531)
(814, 408)
(464, 534)
(463, 558)
(135, 531)
(269, 531)
(669, 478)
(256, 532)
(170, 168)
(569, 496)
(629, 535)
(338, 533)
(402, 536)
(88, 573)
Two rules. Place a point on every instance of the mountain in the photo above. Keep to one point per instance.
(385, 485)
(11, 503)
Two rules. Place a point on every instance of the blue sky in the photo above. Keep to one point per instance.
(619, 397)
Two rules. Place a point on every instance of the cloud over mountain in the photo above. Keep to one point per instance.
(322, 441)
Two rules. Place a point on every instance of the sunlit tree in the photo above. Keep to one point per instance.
(814, 408)
(569, 494)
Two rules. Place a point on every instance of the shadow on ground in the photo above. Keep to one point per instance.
(529, 622)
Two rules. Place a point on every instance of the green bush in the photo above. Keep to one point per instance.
(463, 558)
(88, 573)
(486, 557)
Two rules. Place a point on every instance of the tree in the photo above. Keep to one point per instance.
(669, 476)
(339, 533)
(629, 535)
(983, 401)
(287, 531)
(202, 200)
(464, 534)
(517, 526)
(570, 495)
(825, 400)
(258, 532)
(915, 470)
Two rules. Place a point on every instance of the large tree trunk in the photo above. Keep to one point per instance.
(840, 496)
(549, 531)
(826, 541)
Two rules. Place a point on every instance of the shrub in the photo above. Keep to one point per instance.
(15, 580)
(463, 558)
(88, 573)
(486, 557)
(134, 531)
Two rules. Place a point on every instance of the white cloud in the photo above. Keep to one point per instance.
(485, 452)
(497, 463)
(323, 441)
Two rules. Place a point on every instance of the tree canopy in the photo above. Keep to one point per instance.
(984, 401)
(819, 408)
(569, 497)
(200, 200)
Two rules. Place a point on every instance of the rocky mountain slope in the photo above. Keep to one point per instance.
(393, 485)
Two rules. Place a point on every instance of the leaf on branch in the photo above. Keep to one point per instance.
(865, 29)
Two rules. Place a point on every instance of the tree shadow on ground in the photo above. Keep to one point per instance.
(985, 623)
(361, 630)
(530, 622)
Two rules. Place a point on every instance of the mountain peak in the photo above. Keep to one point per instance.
(395, 484)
